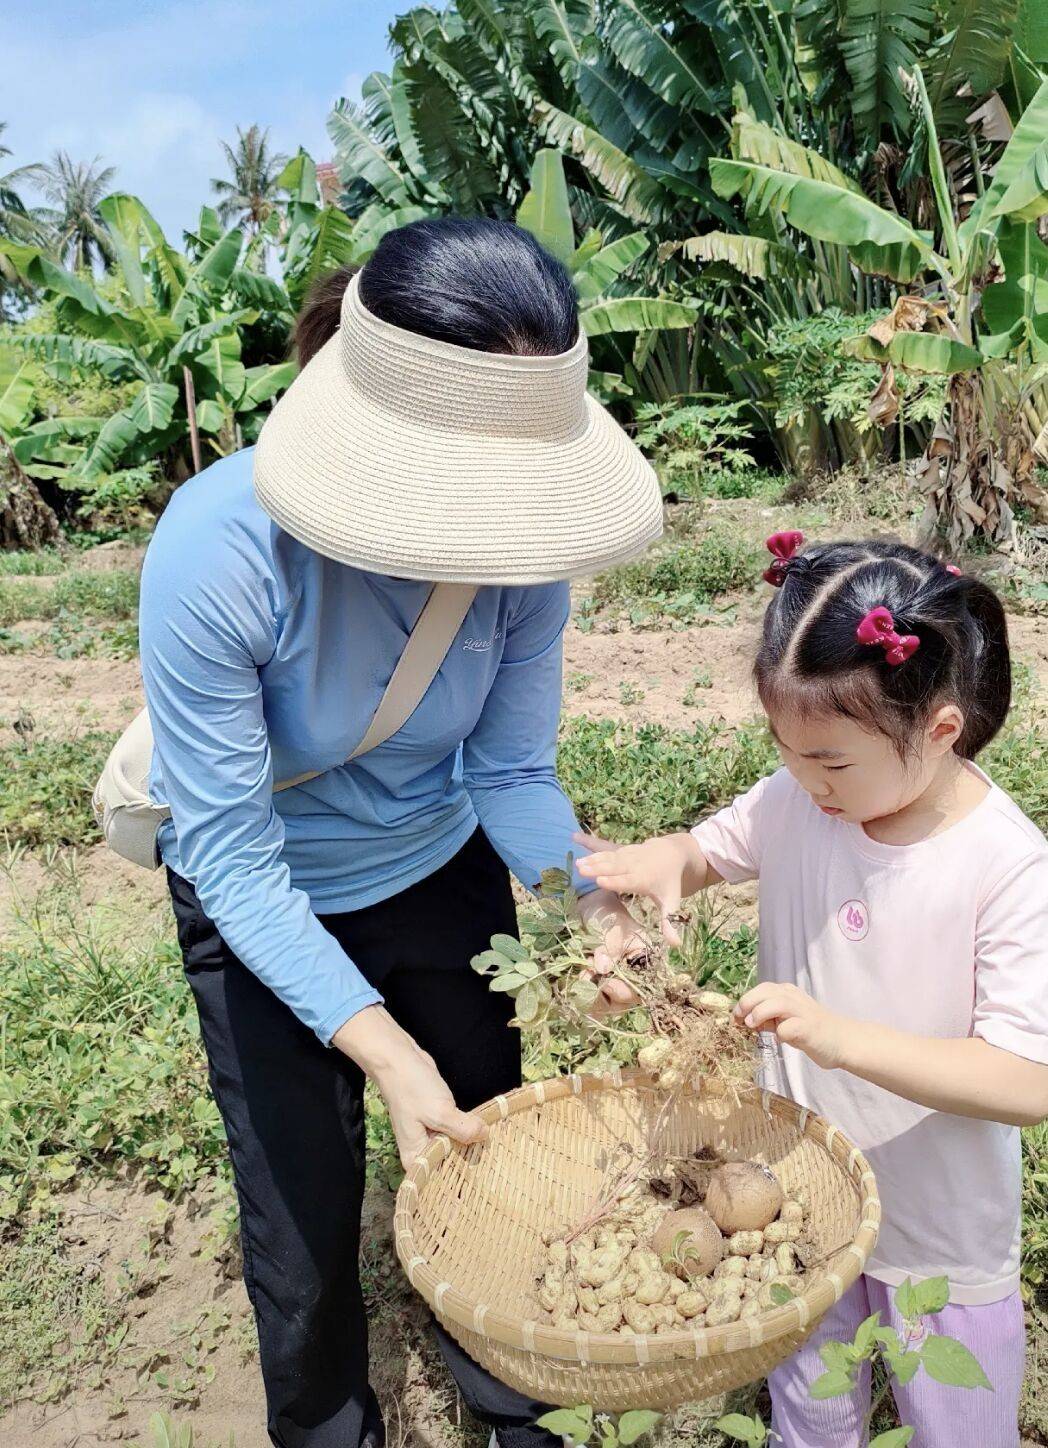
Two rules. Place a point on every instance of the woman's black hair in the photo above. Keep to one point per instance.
(810, 660)
(487, 285)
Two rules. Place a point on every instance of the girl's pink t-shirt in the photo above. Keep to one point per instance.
(947, 938)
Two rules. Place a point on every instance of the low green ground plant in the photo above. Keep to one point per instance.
(37, 562)
(45, 789)
(678, 582)
(96, 595)
(629, 781)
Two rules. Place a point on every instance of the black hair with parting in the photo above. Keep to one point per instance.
(811, 662)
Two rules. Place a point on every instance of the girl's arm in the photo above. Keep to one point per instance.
(967, 1077)
(665, 870)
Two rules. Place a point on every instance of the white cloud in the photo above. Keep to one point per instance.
(153, 94)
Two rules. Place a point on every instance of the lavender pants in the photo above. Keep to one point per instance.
(944, 1417)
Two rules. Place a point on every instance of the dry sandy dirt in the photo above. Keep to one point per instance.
(674, 677)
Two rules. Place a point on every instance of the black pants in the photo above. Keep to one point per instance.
(294, 1115)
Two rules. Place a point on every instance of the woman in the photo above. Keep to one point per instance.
(439, 430)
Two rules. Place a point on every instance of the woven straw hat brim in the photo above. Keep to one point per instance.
(368, 486)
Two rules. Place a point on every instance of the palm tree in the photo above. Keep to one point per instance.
(249, 198)
(16, 220)
(75, 188)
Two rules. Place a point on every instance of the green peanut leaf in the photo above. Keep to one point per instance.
(527, 1002)
(894, 1438)
(906, 1298)
(510, 980)
(931, 1295)
(742, 1429)
(487, 958)
(903, 1365)
(635, 1424)
(864, 1337)
(573, 1423)
(780, 1294)
(949, 1361)
(509, 946)
(833, 1384)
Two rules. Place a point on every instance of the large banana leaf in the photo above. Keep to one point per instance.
(255, 289)
(546, 210)
(62, 352)
(1015, 310)
(32, 264)
(974, 50)
(149, 411)
(879, 241)
(16, 397)
(360, 154)
(563, 25)
(598, 273)
(299, 179)
(918, 352)
(1026, 199)
(636, 314)
(622, 107)
(880, 40)
(639, 196)
(55, 439)
(752, 140)
(401, 107)
(196, 339)
(219, 371)
(372, 225)
(1027, 139)
(209, 275)
(266, 381)
(753, 256)
(643, 44)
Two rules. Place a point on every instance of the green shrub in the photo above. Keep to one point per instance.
(112, 594)
(32, 561)
(631, 782)
(45, 789)
(102, 1060)
(682, 578)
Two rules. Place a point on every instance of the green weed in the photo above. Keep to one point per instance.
(680, 581)
(630, 782)
(45, 789)
(109, 595)
(35, 562)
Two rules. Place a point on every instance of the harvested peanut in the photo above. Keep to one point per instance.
(744, 1244)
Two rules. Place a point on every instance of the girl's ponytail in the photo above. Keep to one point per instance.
(936, 636)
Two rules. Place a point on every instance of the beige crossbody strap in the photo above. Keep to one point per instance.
(425, 651)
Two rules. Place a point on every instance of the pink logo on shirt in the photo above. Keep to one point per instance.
(853, 918)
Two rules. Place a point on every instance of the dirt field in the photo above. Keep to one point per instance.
(182, 1308)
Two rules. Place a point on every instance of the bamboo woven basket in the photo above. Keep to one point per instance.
(469, 1220)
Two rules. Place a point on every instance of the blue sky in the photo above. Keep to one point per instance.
(152, 86)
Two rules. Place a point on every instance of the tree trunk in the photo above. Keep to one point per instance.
(26, 521)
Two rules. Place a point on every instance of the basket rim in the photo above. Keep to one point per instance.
(453, 1306)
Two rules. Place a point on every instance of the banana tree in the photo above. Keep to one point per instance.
(182, 327)
(985, 338)
(26, 521)
(597, 270)
(316, 239)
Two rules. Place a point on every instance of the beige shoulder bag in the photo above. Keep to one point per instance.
(129, 819)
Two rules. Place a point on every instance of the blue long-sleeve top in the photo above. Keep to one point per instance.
(261, 660)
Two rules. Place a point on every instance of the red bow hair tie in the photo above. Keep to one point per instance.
(878, 629)
(783, 546)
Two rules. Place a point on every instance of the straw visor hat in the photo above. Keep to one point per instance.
(398, 454)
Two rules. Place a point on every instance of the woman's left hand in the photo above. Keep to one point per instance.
(797, 1020)
(623, 936)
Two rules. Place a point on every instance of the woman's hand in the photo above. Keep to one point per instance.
(798, 1020)
(665, 870)
(414, 1091)
(622, 937)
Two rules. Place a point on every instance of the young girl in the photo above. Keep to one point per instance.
(903, 947)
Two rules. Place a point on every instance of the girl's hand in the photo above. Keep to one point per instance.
(416, 1094)
(664, 869)
(797, 1020)
(623, 937)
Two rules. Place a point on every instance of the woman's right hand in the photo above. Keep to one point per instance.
(416, 1095)
(665, 870)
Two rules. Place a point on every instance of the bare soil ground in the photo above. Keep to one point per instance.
(184, 1307)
